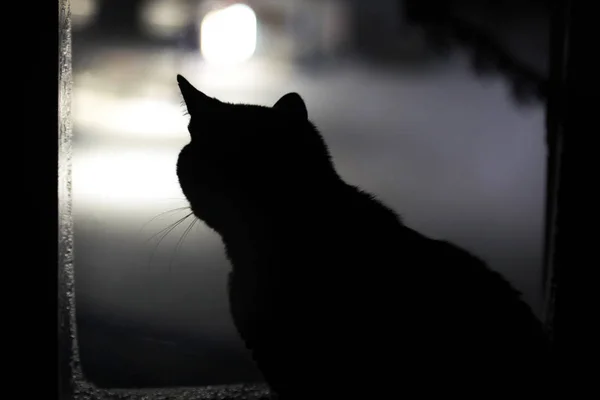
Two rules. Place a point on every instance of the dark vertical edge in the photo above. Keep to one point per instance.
(571, 250)
(555, 131)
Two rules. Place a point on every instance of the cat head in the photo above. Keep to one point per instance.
(243, 157)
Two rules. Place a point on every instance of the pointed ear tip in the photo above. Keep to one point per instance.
(291, 98)
(182, 81)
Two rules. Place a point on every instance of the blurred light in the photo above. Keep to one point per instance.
(165, 18)
(145, 118)
(256, 81)
(228, 36)
(119, 176)
(83, 12)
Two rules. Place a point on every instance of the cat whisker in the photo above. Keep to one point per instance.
(168, 228)
(164, 213)
(166, 231)
(181, 239)
(175, 198)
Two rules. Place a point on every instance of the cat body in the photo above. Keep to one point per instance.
(331, 292)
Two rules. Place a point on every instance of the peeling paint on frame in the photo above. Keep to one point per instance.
(73, 384)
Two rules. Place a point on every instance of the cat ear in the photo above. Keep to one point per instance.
(194, 99)
(293, 104)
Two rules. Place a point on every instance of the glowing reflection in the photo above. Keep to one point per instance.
(138, 117)
(228, 36)
(117, 177)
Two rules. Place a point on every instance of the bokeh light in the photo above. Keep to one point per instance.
(228, 36)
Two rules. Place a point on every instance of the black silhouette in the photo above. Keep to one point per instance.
(334, 296)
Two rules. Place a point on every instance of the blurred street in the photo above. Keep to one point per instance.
(447, 150)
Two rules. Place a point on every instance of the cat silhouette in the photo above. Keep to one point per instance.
(331, 292)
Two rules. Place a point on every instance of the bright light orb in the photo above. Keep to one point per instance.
(228, 36)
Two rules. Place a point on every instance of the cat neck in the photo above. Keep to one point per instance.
(297, 213)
